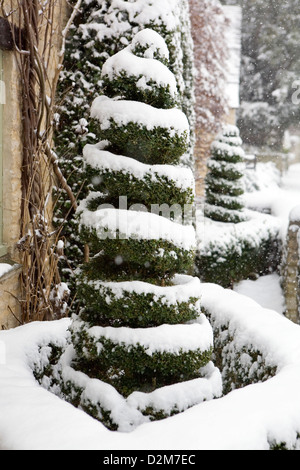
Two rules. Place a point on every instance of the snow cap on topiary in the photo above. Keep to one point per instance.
(149, 44)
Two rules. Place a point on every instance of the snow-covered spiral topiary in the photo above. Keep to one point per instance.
(127, 73)
(140, 347)
(224, 188)
(101, 30)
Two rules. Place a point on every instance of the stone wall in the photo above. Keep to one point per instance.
(9, 297)
(201, 155)
(12, 156)
(291, 267)
(10, 310)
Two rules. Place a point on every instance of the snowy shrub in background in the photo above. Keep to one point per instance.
(228, 253)
(260, 124)
(266, 175)
(140, 347)
(223, 182)
(101, 30)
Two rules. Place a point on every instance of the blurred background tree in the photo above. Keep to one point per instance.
(209, 27)
(270, 68)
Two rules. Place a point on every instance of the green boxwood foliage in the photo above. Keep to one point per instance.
(142, 258)
(124, 248)
(157, 146)
(155, 85)
(242, 261)
(152, 188)
(242, 251)
(141, 131)
(241, 366)
(133, 309)
(131, 367)
(125, 87)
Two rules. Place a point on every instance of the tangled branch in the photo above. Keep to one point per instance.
(33, 29)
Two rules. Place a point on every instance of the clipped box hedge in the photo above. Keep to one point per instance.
(140, 131)
(133, 365)
(136, 259)
(229, 253)
(138, 304)
(127, 74)
(158, 146)
(116, 175)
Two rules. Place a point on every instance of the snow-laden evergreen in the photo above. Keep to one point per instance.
(224, 186)
(140, 343)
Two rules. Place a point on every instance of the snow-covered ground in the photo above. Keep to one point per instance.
(280, 195)
(32, 418)
(266, 291)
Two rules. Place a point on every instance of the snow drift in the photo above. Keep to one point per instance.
(256, 417)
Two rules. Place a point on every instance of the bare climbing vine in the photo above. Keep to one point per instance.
(39, 42)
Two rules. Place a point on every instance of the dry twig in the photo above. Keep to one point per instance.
(33, 29)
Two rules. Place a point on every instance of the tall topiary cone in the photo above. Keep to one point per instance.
(141, 348)
(224, 186)
(100, 29)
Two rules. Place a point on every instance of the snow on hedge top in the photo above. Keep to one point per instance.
(172, 339)
(152, 42)
(220, 237)
(96, 390)
(295, 214)
(184, 287)
(150, 70)
(98, 158)
(138, 225)
(222, 148)
(181, 395)
(252, 326)
(230, 130)
(122, 112)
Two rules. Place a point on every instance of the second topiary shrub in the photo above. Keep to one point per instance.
(224, 188)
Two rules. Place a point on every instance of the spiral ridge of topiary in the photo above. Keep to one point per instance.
(141, 342)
